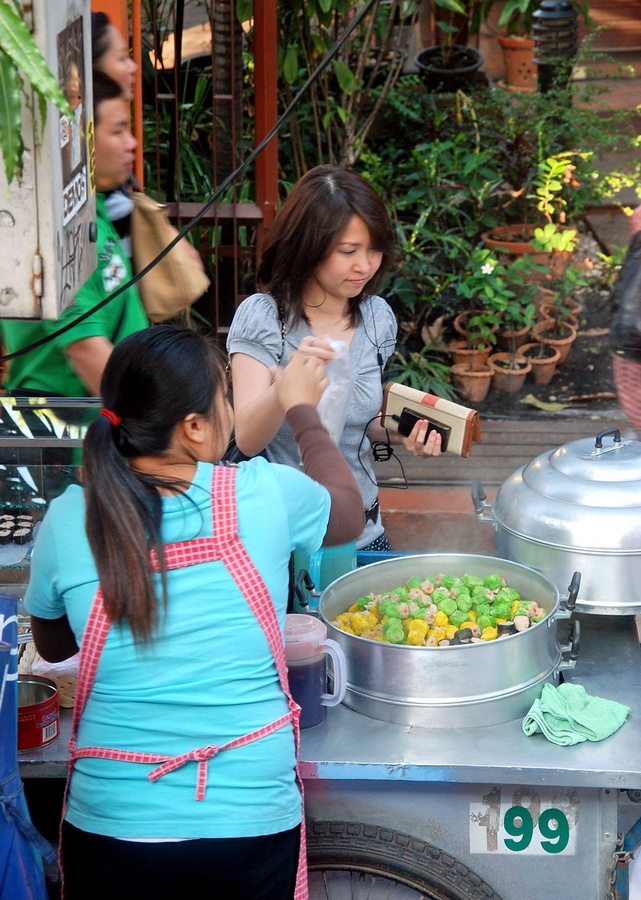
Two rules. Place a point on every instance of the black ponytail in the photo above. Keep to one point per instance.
(152, 380)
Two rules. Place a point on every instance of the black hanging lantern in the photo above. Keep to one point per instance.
(556, 41)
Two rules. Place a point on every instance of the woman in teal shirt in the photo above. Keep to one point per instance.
(188, 663)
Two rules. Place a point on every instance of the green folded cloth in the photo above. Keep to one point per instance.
(567, 715)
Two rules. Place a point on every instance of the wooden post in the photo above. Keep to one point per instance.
(266, 113)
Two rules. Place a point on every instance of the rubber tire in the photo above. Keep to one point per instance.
(357, 847)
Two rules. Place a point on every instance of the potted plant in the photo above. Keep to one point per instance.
(478, 285)
(517, 44)
(512, 299)
(516, 22)
(451, 65)
(549, 243)
(543, 359)
(481, 288)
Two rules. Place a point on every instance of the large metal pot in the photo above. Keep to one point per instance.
(576, 508)
(455, 686)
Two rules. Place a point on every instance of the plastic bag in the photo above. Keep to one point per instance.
(64, 673)
(66, 667)
(333, 405)
(625, 327)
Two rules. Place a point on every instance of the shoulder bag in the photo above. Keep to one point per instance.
(176, 281)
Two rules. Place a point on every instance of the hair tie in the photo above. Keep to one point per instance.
(113, 418)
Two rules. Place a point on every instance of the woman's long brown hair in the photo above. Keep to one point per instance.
(152, 380)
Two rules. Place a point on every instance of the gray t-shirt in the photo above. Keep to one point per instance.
(256, 331)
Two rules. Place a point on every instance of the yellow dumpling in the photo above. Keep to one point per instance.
(417, 632)
(361, 622)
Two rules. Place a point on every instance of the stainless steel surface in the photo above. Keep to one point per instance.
(477, 684)
(577, 508)
(354, 747)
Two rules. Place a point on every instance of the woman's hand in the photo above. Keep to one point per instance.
(417, 445)
(317, 348)
(303, 380)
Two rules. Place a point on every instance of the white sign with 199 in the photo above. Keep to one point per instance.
(525, 819)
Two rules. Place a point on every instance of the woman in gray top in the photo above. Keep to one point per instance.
(328, 250)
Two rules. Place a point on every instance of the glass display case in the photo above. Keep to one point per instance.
(40, 455)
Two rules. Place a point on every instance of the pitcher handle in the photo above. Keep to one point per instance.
(335, 652)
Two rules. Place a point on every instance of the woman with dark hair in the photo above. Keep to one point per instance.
(172, 574)
(110, 54)
(325, 256)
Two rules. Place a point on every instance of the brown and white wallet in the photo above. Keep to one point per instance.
(458, 425)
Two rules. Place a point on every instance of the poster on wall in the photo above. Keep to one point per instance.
(72, 130)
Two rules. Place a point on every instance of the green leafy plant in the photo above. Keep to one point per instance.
(517, 16)
(424, 370)
(455, 21)
(553, 175)
(20, 59)
(342, 105)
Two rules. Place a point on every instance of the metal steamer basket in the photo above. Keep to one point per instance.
(576, 508)
(455, 686)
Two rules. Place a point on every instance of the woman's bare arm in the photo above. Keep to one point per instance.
(53, 638)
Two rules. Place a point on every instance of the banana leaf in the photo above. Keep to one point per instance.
(21, 54)
(11, 145)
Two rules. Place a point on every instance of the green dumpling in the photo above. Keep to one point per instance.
(494, 582)
(393, 631)
(457, 618)
(447, 605)
(448, 581)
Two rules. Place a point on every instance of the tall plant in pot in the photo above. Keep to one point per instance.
(451, 64)
(481, 289)
(550, 242)
(517, 310)
(476, 287)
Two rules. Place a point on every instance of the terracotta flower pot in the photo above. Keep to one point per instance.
(470, 336)
(462, 354)
(544, 359)
(512, 241)
(520, 68)
(558, 334)
(551, 312)
(512, 340)
(509, 371)
(543, 297)
(473, 383)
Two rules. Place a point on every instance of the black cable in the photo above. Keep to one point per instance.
(383, 452)
(217, 193)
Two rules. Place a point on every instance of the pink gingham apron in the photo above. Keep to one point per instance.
(224, 545)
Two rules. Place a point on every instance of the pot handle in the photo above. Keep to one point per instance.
(304, 583)
(573, 591)
(482, 509)
(598, 443)
(567, 604)
(571, 648)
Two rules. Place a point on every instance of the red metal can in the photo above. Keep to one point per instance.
(38, 717)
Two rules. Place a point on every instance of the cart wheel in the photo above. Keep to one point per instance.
(367, 862)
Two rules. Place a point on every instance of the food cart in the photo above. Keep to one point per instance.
(476, 812)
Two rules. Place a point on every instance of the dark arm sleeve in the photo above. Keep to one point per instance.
(323, 461)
